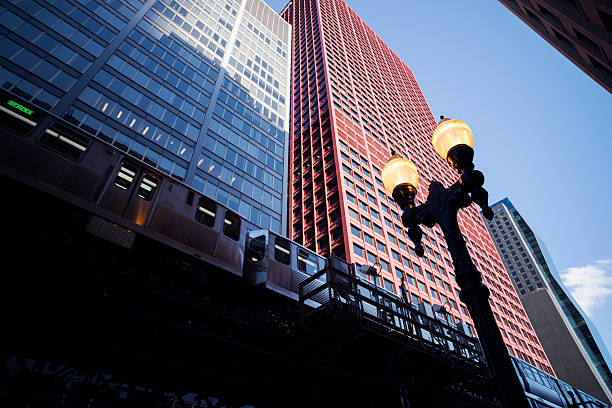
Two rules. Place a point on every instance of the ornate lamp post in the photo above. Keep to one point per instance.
(453, 141)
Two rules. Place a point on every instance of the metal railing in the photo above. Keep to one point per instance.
(389, 315)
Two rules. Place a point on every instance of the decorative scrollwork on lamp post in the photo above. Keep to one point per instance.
(454, 142)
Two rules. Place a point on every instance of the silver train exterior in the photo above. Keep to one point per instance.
(277, 264)
(124, 196)
(545, 391)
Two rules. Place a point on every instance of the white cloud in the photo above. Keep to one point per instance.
(590, 285)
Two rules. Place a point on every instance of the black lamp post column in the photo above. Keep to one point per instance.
(441, 208)
(453, 141)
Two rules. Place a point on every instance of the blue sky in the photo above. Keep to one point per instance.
(541, 126)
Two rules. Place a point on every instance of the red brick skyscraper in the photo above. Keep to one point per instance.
(353, 100)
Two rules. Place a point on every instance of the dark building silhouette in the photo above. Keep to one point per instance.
(579, 29)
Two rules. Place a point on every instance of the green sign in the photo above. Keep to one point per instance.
(20, 107)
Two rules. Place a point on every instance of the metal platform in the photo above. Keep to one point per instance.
(388, 317)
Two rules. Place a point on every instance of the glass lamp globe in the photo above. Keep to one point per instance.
(401, 178)
(451, 133)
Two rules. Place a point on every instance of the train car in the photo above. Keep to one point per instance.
(545, 391)
(124, 196)
(539, 387)
(279, 265)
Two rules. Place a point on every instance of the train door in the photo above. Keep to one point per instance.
(280, 265)
(131, 192)
(256, 258)
(230, 249)
(140, 204)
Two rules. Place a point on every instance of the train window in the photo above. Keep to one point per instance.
(206, 211)
(307, 262)
(256, 248)
(147, 188)
(17, 117)
(231, 225)
(282, 251)
(65, 141)
(125, 176)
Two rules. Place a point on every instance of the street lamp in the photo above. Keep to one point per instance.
(454, 142)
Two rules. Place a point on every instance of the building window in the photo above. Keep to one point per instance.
(388, 285)
(355, 231)
(395, 255)
(422, 286)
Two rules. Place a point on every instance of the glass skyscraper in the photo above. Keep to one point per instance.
(561, 327)
(353, 100)
(197, 88)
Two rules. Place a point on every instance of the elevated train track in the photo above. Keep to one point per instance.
(150, 317)
(125, 287)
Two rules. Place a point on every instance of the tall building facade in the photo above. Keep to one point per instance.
(352, 101)
(561, 327)
(197, 88)
(581, 30)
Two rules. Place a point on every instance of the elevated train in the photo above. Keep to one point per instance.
(126, 197)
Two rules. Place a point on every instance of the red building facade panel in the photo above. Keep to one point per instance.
(353, 100)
